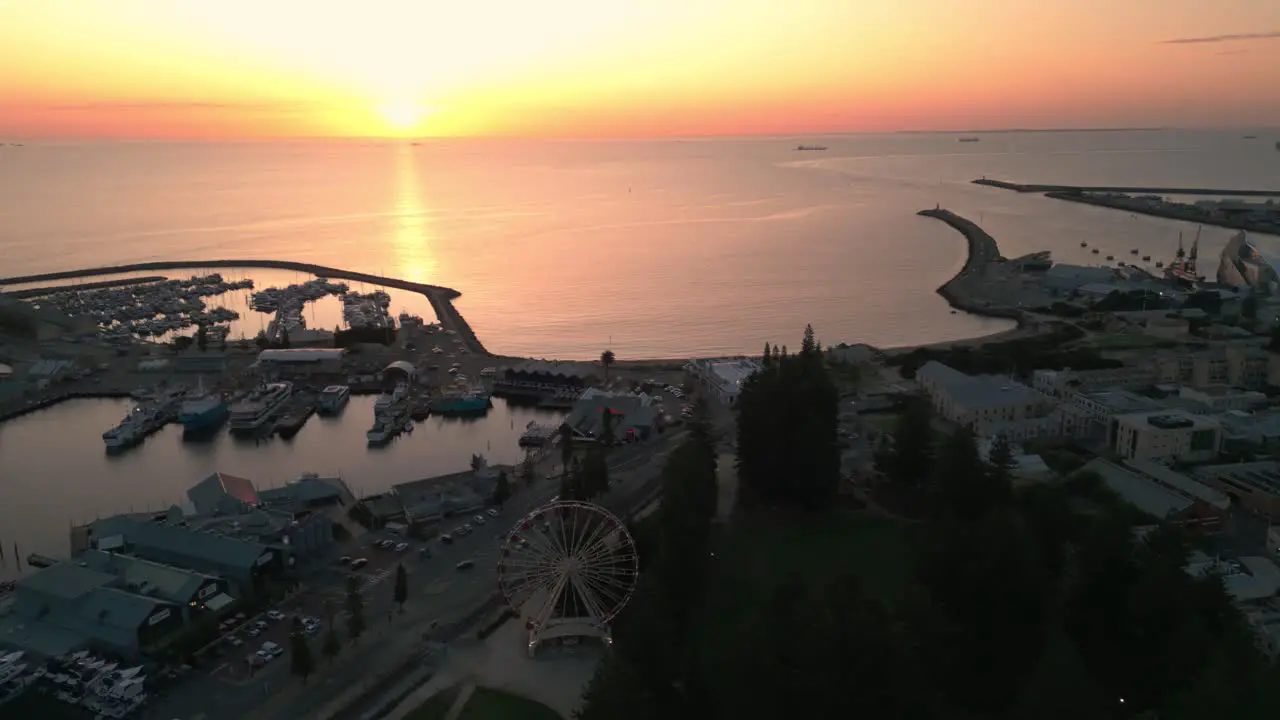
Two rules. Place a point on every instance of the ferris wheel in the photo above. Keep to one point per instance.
(569, 568)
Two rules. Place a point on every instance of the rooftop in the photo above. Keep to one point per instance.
(1169, 419)
(144, 576)
(732, 373)
(300, 354)
(66, 581)
(1179, 482)
(1254, 477)
(979, 391)
(1139, 492)
(176, 539)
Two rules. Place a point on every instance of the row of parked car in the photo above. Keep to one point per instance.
(466, 528)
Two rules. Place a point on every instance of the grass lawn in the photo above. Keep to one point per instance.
(436, 707)
(756, 554)
(489, 704)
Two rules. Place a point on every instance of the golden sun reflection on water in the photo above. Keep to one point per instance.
(413, 255)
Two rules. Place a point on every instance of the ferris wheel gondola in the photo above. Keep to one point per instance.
(569, 568)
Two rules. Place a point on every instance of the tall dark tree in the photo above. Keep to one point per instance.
(962, 485)
(401, 592)
(616, 692)
(566, 446)
(607, 421)
(301, 662)
(331, 645)
(284, 338)
(202, 337)
(787, 433)
(907, 458)
(1000, 458)
(767, 357)
(501, 489)
(607, 359)
(355, 609)
(594, 475)
(1249, 308)
(573, 482)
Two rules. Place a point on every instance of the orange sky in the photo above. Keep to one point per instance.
(591, 68)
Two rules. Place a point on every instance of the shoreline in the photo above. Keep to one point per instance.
(1038, 188)
(983, 252)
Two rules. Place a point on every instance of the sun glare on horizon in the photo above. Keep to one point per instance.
(404, 116)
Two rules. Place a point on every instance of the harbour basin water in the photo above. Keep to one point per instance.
(54, 470)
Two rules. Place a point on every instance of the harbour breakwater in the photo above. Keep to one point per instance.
(40, 292)
(440, 297)
(1168, 211)
(964, 291)
(1033, 188)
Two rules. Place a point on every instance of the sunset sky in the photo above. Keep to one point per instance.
(628, 68)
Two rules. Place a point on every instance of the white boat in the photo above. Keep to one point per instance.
(254, 410)
(333, 399)
(126, 433)
(388, 399)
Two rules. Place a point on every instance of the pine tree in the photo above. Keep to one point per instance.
(301, 663)
(501, 489)
(1000, 458)
(331, 645)
(202, 337)
(767, 358)
(355, 609)
(402, 587)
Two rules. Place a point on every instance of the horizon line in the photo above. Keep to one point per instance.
(632, 138)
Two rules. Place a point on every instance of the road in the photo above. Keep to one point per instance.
(438, 593)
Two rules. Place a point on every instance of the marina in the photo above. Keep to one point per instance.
(65, 459)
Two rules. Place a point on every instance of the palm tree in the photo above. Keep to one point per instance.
(607, 358)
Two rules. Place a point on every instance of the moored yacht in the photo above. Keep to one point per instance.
(203, 411)
(388, 399)
(254, 410)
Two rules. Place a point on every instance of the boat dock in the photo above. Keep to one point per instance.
(536, 435)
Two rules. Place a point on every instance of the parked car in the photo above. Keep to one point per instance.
(358, 563)
(465, 565)
(275, 615)
(401, 547)
(447, 539)
(493, 512)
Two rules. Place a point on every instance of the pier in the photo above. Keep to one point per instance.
(440, 297)
(1033, 188)
(965, 290)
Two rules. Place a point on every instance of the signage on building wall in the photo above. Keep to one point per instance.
(159, 617)
(208, 590)
(266, 558)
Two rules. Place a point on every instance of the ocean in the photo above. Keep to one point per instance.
(560, 249)
(655, 249)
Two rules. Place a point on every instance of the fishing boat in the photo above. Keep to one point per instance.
(471, 401)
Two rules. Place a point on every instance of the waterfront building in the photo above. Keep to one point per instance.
(170, 539)
(534, 374)
(989, 404)
(69, 607)
(634, 417)
(300, 361)
(723, 377)
(1165, 435)
(1242, 265)
(430, 500)
(222, 493)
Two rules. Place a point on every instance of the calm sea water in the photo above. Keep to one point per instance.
(657, 249)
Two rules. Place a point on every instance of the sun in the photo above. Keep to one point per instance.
(403, 115)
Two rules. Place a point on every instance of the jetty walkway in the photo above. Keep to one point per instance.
(1032, 188)
(965, 290)
(440, 297)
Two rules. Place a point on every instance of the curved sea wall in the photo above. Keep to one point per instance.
(439, 296)
(963, 292)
